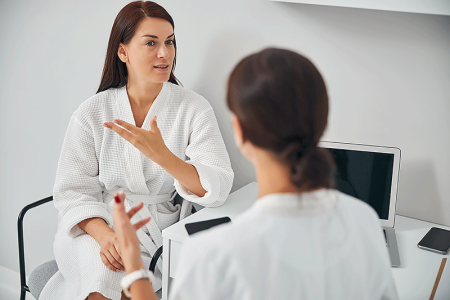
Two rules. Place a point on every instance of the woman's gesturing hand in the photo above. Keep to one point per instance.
(149, 142)
(126, 233)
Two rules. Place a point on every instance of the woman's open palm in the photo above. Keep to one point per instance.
(149, 142)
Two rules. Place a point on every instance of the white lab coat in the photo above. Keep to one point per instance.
(95, 162)
(320, 245)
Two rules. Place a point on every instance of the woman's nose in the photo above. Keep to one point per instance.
(163, 52)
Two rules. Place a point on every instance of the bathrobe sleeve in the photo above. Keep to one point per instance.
(77, 192)
(207, 153)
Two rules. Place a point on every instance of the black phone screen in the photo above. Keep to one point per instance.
(437, 239)
(203, 225)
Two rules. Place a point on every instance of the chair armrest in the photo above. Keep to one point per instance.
(23, 285)
(155, 258)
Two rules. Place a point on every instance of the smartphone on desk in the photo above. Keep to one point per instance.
(436, 240)
(203, 225)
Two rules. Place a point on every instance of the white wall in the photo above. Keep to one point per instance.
(387, 73)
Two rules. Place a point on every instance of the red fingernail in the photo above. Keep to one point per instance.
(117, 199)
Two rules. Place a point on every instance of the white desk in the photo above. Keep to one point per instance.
(416, 276)
(414, 279)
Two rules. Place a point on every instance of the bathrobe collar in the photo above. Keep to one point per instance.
(133, 157)
(124, 107)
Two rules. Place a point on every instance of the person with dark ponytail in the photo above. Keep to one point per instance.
(141, 134)
(301, 239)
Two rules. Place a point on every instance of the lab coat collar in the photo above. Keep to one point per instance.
(304, 204)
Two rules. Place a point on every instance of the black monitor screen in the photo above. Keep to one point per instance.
(366, 176)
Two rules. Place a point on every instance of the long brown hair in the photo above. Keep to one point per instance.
(281, 102)
(115, 72)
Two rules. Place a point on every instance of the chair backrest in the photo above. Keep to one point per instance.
(23, 284)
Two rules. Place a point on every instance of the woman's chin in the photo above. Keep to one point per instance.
(159, 78)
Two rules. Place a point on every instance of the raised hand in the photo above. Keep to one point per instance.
(149, 142)
(128, 241)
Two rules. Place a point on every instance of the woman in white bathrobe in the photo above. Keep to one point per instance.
(301, 239)
(185, 155)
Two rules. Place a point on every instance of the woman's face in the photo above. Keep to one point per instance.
(149, 54)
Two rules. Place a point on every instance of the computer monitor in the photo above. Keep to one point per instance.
(369, 173)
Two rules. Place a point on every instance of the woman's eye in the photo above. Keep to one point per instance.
(169, 42)
(151, 43)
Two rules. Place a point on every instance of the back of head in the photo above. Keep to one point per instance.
(281, 102)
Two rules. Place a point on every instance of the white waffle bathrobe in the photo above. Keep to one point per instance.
(95, 162)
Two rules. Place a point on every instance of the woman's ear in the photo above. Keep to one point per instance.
(237, 129)
(245, 146)
(122, 53)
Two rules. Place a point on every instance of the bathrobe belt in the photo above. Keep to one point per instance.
(154, 240)
(146, 199)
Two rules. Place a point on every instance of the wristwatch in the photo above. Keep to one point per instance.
(132, 277)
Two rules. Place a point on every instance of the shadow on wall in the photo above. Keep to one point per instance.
(418, 195)
(224, 52)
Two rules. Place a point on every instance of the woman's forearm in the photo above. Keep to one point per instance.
(151, 144)
(185, 173)
(95, 227)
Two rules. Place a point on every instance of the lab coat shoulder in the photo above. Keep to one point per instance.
(362, 217)
(230, 236)
(357, 212)
(363, 220)
(351, 204)
(208, 269)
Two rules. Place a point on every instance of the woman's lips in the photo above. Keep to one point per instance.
(162, 68)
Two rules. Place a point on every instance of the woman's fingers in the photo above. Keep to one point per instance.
(113, 261)
(134, 210)
(126, 125)
(119, 206)
(107, 263)
(116, 246)
(119, 212)
(120, 131)
(141, 223)
(115, 254)
(153, 124)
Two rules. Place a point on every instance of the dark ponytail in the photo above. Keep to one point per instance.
(281, 102)
(311, 167)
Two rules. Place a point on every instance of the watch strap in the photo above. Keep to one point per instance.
(132, 277)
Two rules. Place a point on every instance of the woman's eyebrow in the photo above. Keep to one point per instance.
(155, 37)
